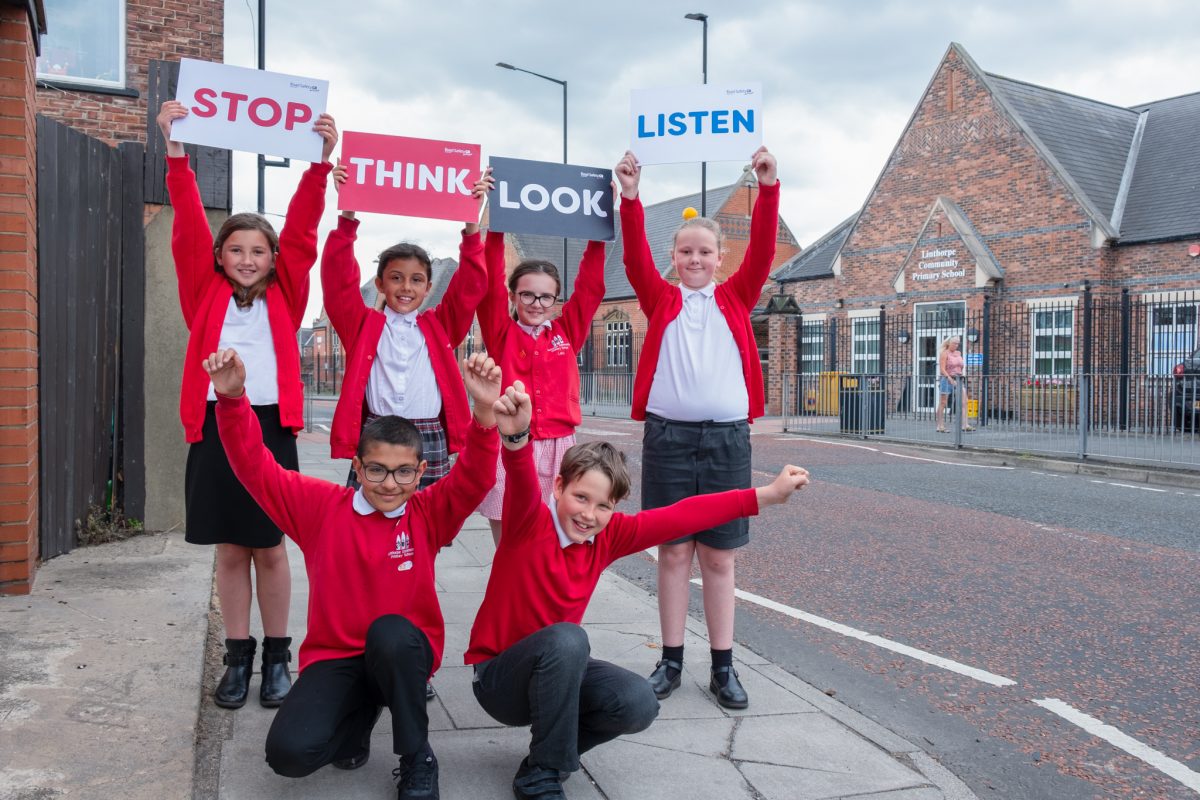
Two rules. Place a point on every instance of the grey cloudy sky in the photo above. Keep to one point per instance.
(840, 79)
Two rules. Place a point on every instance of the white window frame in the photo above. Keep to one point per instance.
(812, 332)
(1182, 335)
(865, 329)
(48, 43)
(1054, 330)
(618, 342)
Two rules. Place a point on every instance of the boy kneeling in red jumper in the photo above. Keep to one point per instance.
(375, 629)
(532, 660)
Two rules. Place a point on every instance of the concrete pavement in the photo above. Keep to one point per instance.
(102, 668)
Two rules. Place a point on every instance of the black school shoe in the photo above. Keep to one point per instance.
(417, 779)
(358, 759)
(660, 681)
(430, 692)
(731, 694)
(537, 783)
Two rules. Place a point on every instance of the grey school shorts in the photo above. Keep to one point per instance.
(684, 459)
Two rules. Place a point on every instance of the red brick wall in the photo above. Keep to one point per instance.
(162, 29)
(18, 305)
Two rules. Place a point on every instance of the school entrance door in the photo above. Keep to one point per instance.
(933, 324)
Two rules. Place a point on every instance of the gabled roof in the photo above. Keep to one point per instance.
(1089, 142)
(986, 266)
(817, 260)
(1164, 194)
(662, 220)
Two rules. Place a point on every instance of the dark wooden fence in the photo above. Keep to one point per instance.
(83, 200)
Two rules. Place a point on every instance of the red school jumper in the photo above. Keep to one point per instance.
(661, 301)
(356, 563)
(359, 328)
(204, 291)
(546, 365)
(536, 582)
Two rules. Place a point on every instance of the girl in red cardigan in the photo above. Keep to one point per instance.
(698, 386)
(540, 350)
(247, 289)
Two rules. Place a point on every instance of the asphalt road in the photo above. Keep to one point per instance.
(1055, 618)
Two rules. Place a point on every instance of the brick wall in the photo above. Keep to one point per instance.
(163, 29)
(18, 305)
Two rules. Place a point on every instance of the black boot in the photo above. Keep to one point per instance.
(239, 665)
(276, 678)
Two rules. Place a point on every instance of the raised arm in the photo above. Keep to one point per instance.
(298, 239)
(191, 237)
(456, 496)
(339, 281)
(493, 311)
(648, 528)
(578, 312)
(647, 284)
(287, 497)
(522, 492)
(748, 281)
(469, 284)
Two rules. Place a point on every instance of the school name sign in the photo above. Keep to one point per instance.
(249, 109)
(696, 123)
(551, 199)
(409, 177)
(937, 264)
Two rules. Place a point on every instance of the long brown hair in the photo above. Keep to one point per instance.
(533, 266)
(245, 296)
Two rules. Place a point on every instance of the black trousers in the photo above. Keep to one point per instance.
(572, 701)
(331, 707)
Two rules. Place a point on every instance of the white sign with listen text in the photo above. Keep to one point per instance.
(696, 123)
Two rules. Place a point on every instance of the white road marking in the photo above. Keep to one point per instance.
(1122, 741)
(949, 463)
(1131, 486)
(826, 441)
(854, 633)
(599, 432)
(323, 427)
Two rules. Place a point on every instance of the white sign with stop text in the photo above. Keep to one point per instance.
(249, 109)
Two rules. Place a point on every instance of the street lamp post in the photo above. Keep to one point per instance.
(703, 18)
(565, 267)
(263, 161)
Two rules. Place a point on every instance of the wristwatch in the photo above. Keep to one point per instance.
(514, 438)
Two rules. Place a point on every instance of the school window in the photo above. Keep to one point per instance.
(1172, 336)
(812, 348)
(1053, 338)
(85, 43)
(865, 353)
(617, 343)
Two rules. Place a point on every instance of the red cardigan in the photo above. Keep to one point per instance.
(535, 581)
(443, 326)
(355, 562)
(661, 301)
(204, 291)
(547, 366)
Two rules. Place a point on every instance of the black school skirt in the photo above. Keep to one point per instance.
(219, 509)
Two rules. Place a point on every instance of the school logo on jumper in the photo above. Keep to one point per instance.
(696, 123)
(558, 343)
(550, 199)
(409, 177)
(404, 548)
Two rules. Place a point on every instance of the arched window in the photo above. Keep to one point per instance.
(618, 344)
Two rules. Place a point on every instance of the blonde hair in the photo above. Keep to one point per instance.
(946, 342)
(709, 225)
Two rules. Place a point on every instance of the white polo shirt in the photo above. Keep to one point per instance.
(402, 381)
(248, 330)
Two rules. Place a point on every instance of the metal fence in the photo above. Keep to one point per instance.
(1118, 416)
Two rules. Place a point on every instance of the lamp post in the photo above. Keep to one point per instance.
(263, 161)
(703, 18)
(565, 267)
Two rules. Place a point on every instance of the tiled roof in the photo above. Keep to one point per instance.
(1089, 139)
(1164, 196)
(817, 260)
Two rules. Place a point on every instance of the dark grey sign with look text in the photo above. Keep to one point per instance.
(550, 199)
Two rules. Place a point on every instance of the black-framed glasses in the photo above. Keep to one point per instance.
(377, 473)
(543, 300)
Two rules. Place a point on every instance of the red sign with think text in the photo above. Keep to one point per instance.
(409, 177)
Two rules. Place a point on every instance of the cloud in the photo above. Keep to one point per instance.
(841, 79)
